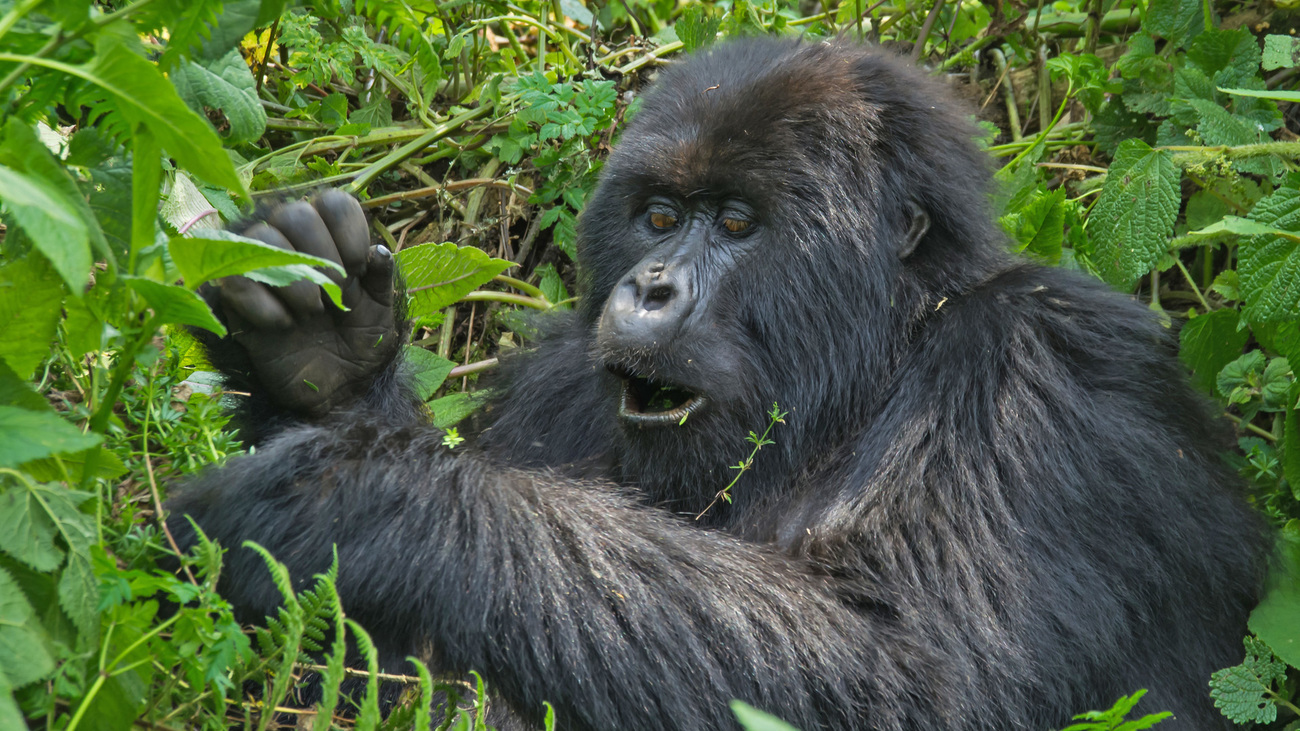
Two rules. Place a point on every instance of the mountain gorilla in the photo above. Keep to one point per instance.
(994, 501)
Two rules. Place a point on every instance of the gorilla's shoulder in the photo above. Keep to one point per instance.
(1053, 323)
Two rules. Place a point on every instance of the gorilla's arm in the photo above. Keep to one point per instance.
(620, 616)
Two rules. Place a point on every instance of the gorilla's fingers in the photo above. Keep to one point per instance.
(303, 297)
(302, 225)
(343, 216)
(378, 279)
(253, 303)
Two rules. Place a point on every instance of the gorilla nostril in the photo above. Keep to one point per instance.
(657, 298)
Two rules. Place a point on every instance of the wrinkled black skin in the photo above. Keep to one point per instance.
(994, 503)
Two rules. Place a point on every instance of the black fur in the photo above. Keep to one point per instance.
(994, 503)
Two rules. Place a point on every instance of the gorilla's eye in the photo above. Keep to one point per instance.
(735, 225)
(662, 220)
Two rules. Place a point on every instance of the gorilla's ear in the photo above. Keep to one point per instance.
(920, 223)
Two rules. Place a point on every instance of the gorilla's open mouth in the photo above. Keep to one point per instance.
(647, 402)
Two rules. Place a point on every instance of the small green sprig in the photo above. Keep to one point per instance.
(775, 416)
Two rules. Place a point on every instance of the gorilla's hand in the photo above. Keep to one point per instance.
(309, 355)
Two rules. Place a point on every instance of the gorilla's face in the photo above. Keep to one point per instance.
(660, 331)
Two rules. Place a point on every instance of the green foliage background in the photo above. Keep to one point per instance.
(1151, 143)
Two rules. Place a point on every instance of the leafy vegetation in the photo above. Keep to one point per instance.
(1151, 143)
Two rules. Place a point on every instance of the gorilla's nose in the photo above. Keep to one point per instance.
(647, 307)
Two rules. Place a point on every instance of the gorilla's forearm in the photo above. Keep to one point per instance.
(531, 579)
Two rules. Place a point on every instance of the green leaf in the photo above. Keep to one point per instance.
(451, 409)
(15, 391)
(1174, 20)
(1276, 94)
(1134, 217)
(50, 222)
(26, 532)
(1240, 692)
(428, 369)
(145, 96)
(752, 719)
(438, 275)
(1270, 264)
(45, 202)
(31, 296)
(71, 467)
(79, 594)
(225, 85)
(1209, 342)
(1038, 228)
(1281, 52)
(1277, 618)
(1239, 380)
(176, 305)
(23, 654)
(697, 27)
(27, 435)
(1291, 470)
(10, 716)
(220, 254)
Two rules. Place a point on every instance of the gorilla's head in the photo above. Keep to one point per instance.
(772, 225)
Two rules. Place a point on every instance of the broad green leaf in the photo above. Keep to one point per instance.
(1240, 691)
(285, 275)
(176, 305)
(428, 369)
(27, 435)
(552, 286)
(26, 532)
(1209, 342)
(1242, 227)
(52, 224)
(1270, 264)
(752, 719)
(1291, 470)
(1038, 228)
(31, 295)
(15, 391)
(1277, 618)
(79, 594)
(23, 654)
(1240, 379)
(1134, 217)
(1174, 20)
(51, 208)
(438, 275)
(144, 96)
(1280, 52)
(227, 86)
(697, 27)
(219, 254)
(451, 409)
(10, 716)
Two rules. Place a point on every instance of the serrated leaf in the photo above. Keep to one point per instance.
(10, 716)
(697, 27)
(144, 96)
(227, 86)
(23, 654)
(1269, 265)
(31, 295)
(176, 305)
(552, 286)
(1038, 228)
(1132, 222)
(26, 532)
(428, 369)
(79, 594)
(438, 275)
(1239, 691)
(14, 391)
(71, 467)
(1275, 94)
(27, 435)
(218, 254)
(1209, 342)
(1174, 20)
